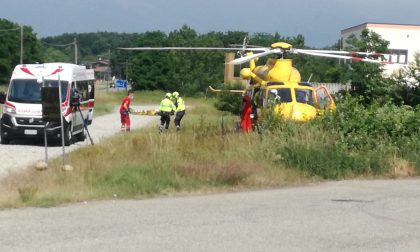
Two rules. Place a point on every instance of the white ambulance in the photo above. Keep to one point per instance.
(22, 109)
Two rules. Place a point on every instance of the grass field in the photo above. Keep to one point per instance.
(105, 102)
(208, 155)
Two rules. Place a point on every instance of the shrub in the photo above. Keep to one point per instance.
(330, 162)
(27, 193)
(363, 127)
(230, 102)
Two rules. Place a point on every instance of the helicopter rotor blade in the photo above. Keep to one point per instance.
(342, 57)
(189, 49)
(254, 56)
(251, 46)
(344, 52)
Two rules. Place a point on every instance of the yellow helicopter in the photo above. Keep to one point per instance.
(277, 84)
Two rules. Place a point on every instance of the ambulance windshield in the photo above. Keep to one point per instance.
(29, 91)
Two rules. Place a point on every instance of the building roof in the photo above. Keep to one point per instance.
(102, 69)
(101, 62)
(381, 25)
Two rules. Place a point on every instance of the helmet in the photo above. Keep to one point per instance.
(273, 91)
(175, 94)
(168, 95)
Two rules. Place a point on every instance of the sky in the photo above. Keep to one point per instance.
(320, 21)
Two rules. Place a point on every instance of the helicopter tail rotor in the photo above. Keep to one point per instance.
(245, 43)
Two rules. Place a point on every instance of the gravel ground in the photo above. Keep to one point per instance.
(25, 153)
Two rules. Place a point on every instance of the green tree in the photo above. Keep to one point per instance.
(53, 55)
(368, 79)
(92, 46)
(10, 47)
(149, 69)
(408, 83)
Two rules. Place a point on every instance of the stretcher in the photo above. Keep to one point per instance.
(154, 112)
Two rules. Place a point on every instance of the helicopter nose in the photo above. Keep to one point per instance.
(295, 112)
(302, 113)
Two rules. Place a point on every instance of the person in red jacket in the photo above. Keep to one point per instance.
(246, 123)
(125, 110)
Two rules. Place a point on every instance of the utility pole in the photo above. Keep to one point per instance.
(109, 64)
(21, 44)
(229, 70)
(75, 51)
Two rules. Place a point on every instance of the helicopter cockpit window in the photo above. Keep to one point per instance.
(304, 96)
(279, 95)
(285, 94)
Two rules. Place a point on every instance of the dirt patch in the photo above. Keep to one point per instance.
(230, 173)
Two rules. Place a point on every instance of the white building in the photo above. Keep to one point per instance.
(404, 40)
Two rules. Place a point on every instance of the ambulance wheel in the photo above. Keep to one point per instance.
(81, 136)
(5, 140)
(67, 135)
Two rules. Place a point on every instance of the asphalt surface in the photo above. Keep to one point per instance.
(22, 154)
(382, 215)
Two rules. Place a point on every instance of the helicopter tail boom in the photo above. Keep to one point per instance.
(227, 90)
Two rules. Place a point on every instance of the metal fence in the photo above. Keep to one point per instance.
(333, 87)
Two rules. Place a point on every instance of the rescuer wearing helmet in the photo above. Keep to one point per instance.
(180, 109)
(273, 98)
(166, 108)
(125, 110)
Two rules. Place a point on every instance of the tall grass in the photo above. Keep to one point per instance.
(209, 154)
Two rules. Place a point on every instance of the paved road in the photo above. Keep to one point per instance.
(19, 155)
(336, 216)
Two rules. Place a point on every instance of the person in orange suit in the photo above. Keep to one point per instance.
(125, 110)
(246, 114)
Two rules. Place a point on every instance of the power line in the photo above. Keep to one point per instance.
(11, 29)
(58, 45)
(65, 45)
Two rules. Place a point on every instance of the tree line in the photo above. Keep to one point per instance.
(189, 72)
(10, 47)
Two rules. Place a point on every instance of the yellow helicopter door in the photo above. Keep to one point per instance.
(323, 100)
